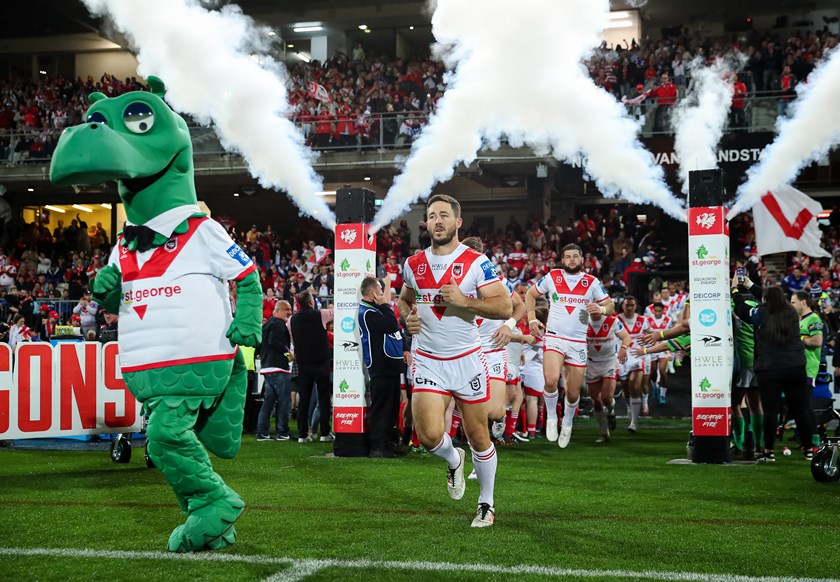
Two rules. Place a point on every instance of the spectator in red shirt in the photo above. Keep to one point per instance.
(787, 91)
(665, 95)
(517, 257)
(736, 112)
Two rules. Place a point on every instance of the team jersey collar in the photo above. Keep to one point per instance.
(166, 223)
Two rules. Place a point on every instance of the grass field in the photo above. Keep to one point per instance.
(592, 511)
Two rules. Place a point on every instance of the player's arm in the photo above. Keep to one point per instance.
(493, 301)
(408, 310)
(655, 349)
(531, 297)
(504, 335)
(626, 340)
(814, 337)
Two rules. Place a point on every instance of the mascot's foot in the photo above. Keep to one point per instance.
(209, 527)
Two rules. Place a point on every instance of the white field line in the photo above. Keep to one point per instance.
(302, 568)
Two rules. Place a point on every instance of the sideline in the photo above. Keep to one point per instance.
(300, 569)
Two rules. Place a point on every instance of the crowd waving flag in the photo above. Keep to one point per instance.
(319, 255)
(319, 92)
(786, 220)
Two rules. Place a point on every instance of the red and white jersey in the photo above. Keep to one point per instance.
(635, 327)
(487, 327)
(517, 259)
(601, 338)
(446, 331)
(175, 306)
(669, 305)
(7, 275)
(569, 296)
(660, 324)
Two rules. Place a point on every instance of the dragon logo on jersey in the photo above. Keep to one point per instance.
(584, 282)
(171, 245)
(457, 270)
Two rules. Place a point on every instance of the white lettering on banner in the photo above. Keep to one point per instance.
(346, 305)
(711, 361)
(706, 281)
(734, 155)
(346, 418)
(67, 390)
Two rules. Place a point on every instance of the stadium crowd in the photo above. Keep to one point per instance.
(372, 100)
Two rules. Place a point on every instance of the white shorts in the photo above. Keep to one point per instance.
(533, 380)
(746, 378)
(663, 356)
(574, 352)
(497, 364)
(464, 378)
(601, 370)
(632, 364)
(514, 357)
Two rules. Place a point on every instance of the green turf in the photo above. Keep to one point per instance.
(592, 507)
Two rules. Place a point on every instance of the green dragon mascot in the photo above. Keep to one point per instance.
(167, 277)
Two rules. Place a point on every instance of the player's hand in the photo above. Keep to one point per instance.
(531, 340)
(452, 294)
(536, 327)
(502, 336)
(650, 337)
(638, 351)
(593, 309)
(622, 355)
(412, 322)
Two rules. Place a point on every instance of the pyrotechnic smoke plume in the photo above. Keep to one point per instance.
(204, 57)
(531, 88)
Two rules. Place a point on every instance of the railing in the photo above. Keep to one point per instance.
(386, 131)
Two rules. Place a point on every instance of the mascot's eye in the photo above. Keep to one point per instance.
(139, 117)
(97, 117)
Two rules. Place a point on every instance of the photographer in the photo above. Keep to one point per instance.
(382, 348)
(779, 360)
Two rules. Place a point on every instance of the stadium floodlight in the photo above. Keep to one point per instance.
(619, 24)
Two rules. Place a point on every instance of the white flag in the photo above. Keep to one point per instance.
(786, 220)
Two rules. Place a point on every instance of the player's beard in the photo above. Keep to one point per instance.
(447, 238)
(572, 270)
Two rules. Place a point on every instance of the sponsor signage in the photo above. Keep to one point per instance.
(711, 325)
(355, 258)
(69, 389)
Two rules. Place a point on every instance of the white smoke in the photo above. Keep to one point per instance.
(204, 58)
(808, 134)
(699, 119)
(531, 88)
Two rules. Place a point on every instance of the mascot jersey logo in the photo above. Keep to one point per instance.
(175, 261)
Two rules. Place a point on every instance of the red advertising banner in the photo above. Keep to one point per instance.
(354, 237)
(349, 419)
(711, 421)
(67, 390)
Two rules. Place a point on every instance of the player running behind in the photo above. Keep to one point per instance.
(574, 297)
(635, 325)
(605, 353)
(446, 286)
(514, 352)
(659, 321)
(533, 376)
(495, 336)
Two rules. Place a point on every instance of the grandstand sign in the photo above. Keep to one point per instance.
(69, 389)
(355, 258)
(711, 321)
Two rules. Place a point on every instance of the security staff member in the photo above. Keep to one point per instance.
(382, 349)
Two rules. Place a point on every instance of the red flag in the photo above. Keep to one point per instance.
(319, 92)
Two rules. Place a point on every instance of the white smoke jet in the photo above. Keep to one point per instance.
(699, 119)
(532, 89)
(204, 57)
(810, 132)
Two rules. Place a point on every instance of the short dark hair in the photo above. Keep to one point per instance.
(571, 247)
(474, 243)
(456, 206)
(304, 297)
(630, 298)
(659, 305)
(368, 283)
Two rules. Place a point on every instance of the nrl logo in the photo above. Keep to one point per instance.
(349, 236)
(421, 270)
(706, 220)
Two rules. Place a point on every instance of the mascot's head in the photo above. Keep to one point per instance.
(139, 142)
